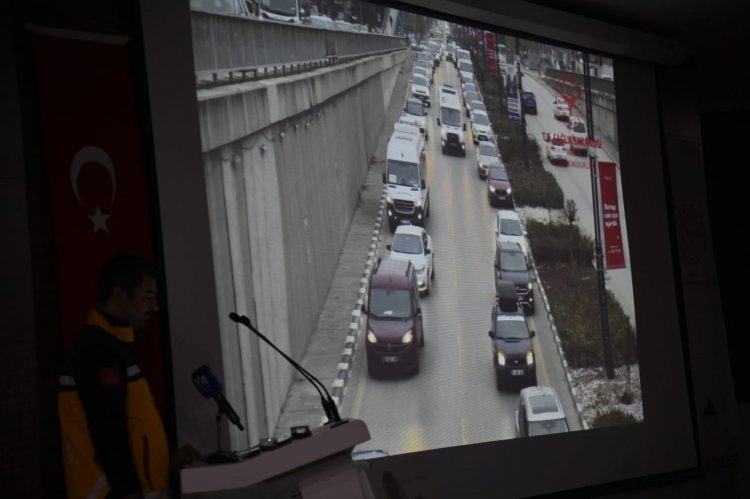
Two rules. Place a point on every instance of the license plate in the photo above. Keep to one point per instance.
(390, 359)
(517, 372)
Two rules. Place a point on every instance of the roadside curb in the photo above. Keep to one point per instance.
(355, 326)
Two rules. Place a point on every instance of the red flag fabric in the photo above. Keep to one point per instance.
(95, 168)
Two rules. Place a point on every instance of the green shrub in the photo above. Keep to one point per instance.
(574, 299)
(559, 243)
(612, 417)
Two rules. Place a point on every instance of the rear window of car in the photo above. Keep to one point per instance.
(579, 127)
(558, 141)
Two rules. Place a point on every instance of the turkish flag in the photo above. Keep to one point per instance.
(97, 186)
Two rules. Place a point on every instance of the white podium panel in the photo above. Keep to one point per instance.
(321, 465)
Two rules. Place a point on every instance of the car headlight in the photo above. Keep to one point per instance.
(388, 199)
(531, 286)
(420, 270)
(371, 338)
(443, 134)
(418, 203)
(408, 337)
(507, 191)
(461, 136)
(530, 358)
(500, 358)
(492, 189)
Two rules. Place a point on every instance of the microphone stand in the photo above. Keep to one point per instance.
(332, 412)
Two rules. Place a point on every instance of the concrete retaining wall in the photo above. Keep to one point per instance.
(284, 161)
(223, 41)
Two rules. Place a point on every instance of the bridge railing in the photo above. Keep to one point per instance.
(222, 42)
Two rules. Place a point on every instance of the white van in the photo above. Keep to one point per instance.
(407, 195)
(451, 123)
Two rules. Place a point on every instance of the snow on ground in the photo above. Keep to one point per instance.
(541, 214)
(595, 393)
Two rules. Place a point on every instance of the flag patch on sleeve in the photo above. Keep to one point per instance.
(110, 376)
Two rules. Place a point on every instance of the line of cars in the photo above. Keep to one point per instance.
(395, 331)
(394, 323)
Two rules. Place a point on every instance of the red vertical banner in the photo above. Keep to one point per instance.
(610, 209)
(97, 185)
(489, 44)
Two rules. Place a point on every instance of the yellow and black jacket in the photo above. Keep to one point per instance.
(113, 438)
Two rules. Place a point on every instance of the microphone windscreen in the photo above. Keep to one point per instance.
(206, 382)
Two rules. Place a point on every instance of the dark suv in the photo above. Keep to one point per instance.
(394, 318)
(512, 350)
(511, 265)
(529, 102)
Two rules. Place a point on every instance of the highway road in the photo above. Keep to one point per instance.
(575, 181)
(453, 399)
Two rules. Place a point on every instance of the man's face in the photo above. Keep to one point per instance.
(137, 309)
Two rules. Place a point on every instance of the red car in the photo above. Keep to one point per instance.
(498, 185)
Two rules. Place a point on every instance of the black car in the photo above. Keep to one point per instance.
(529, 102)
(513, 356)
(511, 265)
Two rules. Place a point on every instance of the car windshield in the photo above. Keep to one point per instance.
(419, 80)
(403, 173)
(498, 174)
(421, 64)
(470, 87)
(466, 66)
(481, 119)
(512, 261)
(415, 108)
(558, 142)
(388, 303)
(528, 96)
(470, 96)
(487, 150)
(478, 105)
(407, 243)
(547, 427)
(510, 227)
(579, 127)
(450, 116)
(510, 329)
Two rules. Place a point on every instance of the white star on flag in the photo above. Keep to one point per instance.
(100, 220)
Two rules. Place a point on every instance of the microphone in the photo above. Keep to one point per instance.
(329, 406)
(210, 387)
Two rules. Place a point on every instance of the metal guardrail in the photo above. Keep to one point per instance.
(229, 76)
(223, 42)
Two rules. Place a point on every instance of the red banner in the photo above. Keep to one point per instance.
(97, 186)
(489, 43)
(610, 209)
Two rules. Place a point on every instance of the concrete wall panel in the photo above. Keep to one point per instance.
(282, 198)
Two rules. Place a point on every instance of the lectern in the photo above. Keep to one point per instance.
(320, 464)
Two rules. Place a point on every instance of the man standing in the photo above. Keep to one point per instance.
(114, 445)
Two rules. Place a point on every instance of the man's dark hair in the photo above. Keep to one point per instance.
(123, 271)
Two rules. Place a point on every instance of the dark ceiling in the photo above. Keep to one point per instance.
(703, 27)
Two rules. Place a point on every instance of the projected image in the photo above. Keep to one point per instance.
(427, 215)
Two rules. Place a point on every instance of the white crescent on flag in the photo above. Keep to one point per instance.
(91, 154)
